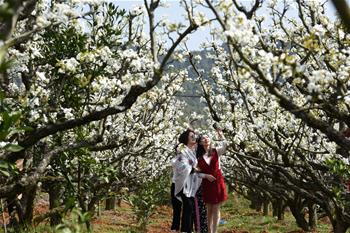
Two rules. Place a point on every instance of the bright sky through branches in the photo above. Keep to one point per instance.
(175, 13)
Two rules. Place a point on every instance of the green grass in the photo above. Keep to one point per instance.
(240, 217)
(38, 229)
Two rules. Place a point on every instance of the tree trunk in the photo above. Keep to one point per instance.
(266, 208)
(54, 199)
(340, 227)
(258, 206)
(302, 223)
(255, 201)
(99, 208)
(92, 205)
(278, 209)
(280, 214)
(299, 217)
(312, 216)
(13, 210)
(110, 203)
(274, 209)
(28, 204)
(3, 215)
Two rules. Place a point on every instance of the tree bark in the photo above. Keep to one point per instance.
(299, 216)
(3, 216)
(54, 199)
(280, 214)
(110, 203)
(312, 216)
(343, 11)
(15, 211)
(28, 204)
(278, 209)
(266, 208)
(340, 227)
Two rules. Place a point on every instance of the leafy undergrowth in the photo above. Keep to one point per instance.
(239, 219)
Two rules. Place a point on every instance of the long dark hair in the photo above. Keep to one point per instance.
(200, 148)
(200, 151)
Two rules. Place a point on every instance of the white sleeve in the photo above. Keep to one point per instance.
(181, 164)
(182, 170)
(222, 149)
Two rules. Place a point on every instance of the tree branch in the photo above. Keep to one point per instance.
(33, 178)
(249, 14)
(343, 11)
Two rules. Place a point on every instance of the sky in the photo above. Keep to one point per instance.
(174, 13)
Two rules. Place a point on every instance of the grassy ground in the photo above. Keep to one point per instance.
(239, 219)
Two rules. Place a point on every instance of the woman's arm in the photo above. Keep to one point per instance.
(203, 175)
(222, 148)
(206, 176)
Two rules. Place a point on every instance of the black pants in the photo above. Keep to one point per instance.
(176, 209)
(187, 213)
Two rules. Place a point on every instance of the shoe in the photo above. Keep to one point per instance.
(222, 222)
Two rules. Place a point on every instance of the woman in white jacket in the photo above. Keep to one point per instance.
(186, 179)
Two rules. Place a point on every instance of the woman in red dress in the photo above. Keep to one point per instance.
(214, 193)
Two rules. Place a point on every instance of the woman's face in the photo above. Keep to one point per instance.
(205, 141)
(191, 138)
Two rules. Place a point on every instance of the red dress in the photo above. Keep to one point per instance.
(213, 192)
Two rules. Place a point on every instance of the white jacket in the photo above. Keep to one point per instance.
(182, 177)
